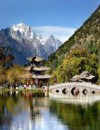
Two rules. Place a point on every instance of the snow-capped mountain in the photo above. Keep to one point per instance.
(51, 45)
(23, 30)
(25, 42)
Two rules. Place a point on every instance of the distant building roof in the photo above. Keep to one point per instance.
(85, 75)
(46, 76)
(35, 58)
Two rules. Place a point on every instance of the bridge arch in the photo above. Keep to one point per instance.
(75, 91)
(85, 91)
(64, 91)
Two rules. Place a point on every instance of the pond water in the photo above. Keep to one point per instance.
(28, 111)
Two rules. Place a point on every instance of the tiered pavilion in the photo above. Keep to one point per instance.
(38, 71)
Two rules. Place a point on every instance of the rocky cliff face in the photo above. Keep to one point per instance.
(87, 35)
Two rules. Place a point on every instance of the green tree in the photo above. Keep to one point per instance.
(76, 61)
(98, 71)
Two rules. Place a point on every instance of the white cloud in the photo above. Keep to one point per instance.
(61, 33)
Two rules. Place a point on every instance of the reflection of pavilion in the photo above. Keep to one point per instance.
(38, 104)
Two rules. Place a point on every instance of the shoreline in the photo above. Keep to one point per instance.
(24, 89)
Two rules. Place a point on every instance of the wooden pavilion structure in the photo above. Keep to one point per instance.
(37, 71)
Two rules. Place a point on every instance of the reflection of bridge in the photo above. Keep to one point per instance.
(73, 88)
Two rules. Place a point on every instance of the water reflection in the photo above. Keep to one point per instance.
(26, 111)
(77, 117)
(79, 99)
(29, 111)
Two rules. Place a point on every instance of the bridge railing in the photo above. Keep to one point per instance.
(81, 84)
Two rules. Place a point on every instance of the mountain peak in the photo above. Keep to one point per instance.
(25, 31)
(21, 24)
(21, 27)
(51, 37)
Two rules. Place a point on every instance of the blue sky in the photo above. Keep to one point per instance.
(37, 13)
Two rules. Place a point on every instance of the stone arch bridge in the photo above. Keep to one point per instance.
(74, 88)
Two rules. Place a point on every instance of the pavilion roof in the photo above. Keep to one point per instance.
(35, 58)
(46, 76)
(42, 68)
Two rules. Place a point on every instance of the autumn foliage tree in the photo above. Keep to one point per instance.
(13, 75)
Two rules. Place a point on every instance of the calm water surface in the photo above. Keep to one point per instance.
(26, 111)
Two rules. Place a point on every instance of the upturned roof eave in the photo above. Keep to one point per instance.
(40, 68)
(41, 76)
(36, 59)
